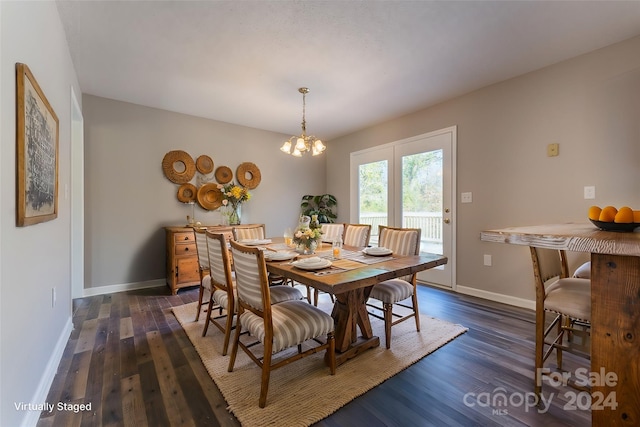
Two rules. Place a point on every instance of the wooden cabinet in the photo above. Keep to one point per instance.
(182, 258)
(183, 269)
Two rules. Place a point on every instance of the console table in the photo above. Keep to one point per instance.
(615, 308)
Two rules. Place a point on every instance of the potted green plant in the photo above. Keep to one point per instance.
(322, 205)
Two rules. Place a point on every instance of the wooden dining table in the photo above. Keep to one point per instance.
(351, 281)
(615, 310)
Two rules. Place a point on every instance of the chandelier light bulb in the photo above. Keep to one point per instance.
(286, 147)
(300, 145)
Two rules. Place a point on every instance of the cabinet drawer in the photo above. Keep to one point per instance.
(187, 237)
(186, 249)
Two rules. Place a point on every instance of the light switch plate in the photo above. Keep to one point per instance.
(466, 197)
(590, 192)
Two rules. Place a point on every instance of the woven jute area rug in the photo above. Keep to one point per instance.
(303, 392)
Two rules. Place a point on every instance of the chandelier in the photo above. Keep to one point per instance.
(304, 142)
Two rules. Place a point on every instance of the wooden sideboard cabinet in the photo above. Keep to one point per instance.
(183, 269)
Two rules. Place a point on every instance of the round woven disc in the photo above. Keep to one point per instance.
(223, 174)
(209, 196)
(204, 164)
(248, 168)
(187, 193)
(169, 162)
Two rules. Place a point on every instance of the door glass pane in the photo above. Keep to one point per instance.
(422, 197)
(373, 185)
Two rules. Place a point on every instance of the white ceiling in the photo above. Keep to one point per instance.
(364, 62)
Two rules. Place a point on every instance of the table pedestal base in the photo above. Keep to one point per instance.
(350, 313)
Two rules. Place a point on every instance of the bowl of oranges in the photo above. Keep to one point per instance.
(610, 218)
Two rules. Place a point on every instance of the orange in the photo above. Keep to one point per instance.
(608, 214)
(594, 212)
(624, 215)
(636, 216)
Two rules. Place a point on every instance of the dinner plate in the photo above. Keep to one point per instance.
(254, 242)
(311, 265)
(279, 256)
(377, 251)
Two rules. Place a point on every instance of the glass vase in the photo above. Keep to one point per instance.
(307, 248)
(235, 214)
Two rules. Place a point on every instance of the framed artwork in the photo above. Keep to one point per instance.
(36, 152)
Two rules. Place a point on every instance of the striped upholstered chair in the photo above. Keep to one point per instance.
(222, 293)
(277, 326)
(258, 232)
(253, 232)
(331, 231)
(203, 264)
(357, 235)
(402, 241)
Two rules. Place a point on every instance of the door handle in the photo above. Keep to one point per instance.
(446, 220)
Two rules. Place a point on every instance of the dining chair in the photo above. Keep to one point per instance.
(203, 266)
(222, 290)
(568, 300)
(221, 287)
(403, 242)
(331, 231)
(259, 232)
(357, 235)
(249, 232)
(276, 326)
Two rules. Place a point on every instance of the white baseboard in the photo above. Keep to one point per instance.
(31, 418)
(101, 290)
(492, 296)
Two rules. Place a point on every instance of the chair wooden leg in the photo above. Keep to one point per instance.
(416, 312)
(227, 329)
(200, 302)
(388, 320)
(315, 298)
(560, 331)
(234, 347)
(539, 351)
(206, 323)
(266, 373)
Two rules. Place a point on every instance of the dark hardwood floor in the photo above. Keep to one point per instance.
(129, 358)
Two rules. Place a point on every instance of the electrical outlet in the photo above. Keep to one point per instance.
(553, 150)
(466, 197)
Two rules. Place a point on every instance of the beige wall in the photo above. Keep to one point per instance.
(36, 258)
(589, 105)
(128, 200)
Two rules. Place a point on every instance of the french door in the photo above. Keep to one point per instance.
(410, 183)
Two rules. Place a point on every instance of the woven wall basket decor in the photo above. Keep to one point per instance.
(248, 175)
(187, 193)
(204, 164)
(209, 197)
(223, 174)
(178, 166)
